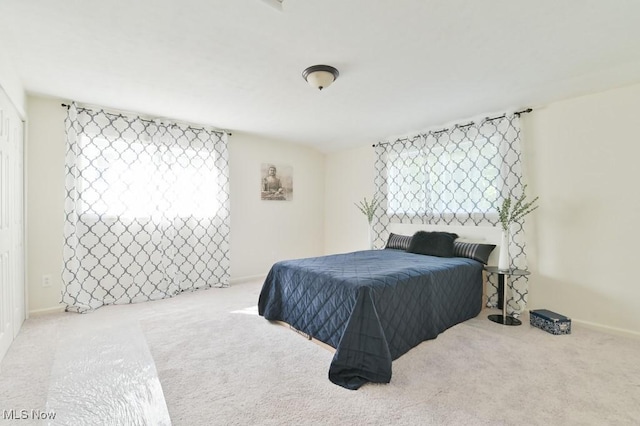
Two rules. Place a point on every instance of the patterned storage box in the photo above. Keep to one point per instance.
(550, 322)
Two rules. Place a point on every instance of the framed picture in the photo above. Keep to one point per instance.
(276, 182)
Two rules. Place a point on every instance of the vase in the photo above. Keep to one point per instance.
(504, 261)
(370, 237)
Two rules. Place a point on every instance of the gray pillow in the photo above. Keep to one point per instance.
(398, 242)
(475, 251)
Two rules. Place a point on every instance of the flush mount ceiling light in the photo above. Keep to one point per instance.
(320, 76)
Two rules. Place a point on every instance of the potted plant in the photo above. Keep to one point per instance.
(510, 212)
(368, 208)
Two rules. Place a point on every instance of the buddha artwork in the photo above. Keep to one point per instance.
(277, 182)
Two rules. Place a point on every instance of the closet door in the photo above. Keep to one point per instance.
(12, 287)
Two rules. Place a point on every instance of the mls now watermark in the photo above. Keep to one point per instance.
(28, 415)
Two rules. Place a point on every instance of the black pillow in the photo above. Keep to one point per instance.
(398, 242)
(432, 243)
(475, 251)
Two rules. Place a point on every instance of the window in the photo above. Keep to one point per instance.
(145, 180)
(146, 209)
(436, 179)
(455, 176)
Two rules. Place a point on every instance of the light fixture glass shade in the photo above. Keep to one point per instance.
(320, 76)
(320, 79)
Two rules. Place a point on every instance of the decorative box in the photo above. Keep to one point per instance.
(550, 322)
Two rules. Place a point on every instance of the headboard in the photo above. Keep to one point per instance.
(474, 234)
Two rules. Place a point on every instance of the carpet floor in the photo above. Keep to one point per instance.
(219, 363)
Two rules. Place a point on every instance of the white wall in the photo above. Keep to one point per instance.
(349, 178)
(10, 82)
(45, 152)
(581, 159)
(261, 231)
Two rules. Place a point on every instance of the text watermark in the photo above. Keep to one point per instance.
(18, 414)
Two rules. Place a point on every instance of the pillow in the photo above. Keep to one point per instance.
(398, 242)
(432, 243)
(475, 251)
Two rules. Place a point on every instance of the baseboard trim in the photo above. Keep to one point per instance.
(608, 329)
(45, 311)
(241, 280)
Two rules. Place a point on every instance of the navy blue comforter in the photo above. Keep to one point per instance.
(372, 306)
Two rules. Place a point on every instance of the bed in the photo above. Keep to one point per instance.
(372, 306)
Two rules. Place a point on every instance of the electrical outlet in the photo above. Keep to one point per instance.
(46, 280)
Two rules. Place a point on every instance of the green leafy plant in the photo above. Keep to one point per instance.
(368, 208)
(511, 212)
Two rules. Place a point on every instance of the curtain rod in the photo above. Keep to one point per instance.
(471, 123)
(147, 120)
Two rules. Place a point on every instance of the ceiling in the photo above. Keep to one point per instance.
(405, 65)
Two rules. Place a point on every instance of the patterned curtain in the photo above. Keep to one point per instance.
(455, 176)
(146, 209)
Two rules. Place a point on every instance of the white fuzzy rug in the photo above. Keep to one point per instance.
(220, 364)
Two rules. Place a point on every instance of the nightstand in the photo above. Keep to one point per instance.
(503, 281)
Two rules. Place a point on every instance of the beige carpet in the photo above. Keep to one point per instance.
(220, 364)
